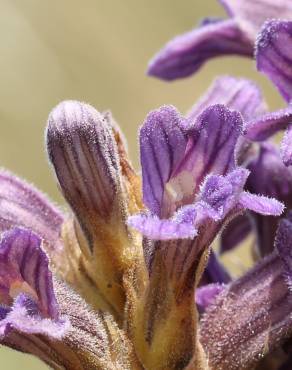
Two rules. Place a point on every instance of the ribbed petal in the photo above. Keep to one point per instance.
(162, 144)
(255, 311)
(25, 278)
(23, 205)
(185, 54)
(83, 152)
(260, 204)
(236, 93)
(84, 147)
(210, 149)
(286, 147)
(268, 124)
(251, 14)
(274, 54)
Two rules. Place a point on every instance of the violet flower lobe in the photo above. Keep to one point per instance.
(192, 186)
(185, 54)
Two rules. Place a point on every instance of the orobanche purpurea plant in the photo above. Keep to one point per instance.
(128, 278)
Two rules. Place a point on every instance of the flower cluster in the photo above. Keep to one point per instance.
(129, 277)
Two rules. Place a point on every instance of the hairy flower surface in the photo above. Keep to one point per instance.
(185, 54)
(128, 277)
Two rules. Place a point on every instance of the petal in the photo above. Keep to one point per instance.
(222, 193)
(24, 269)
(236, 93)
(255, 311)
(286, 147)
(162, 229)
(274, 54)
(93, 341)
(260, 204)
(207, 294)
(162, 144)
(82, 150)
(185, 54)
(269, 176)
(23, 205)
(210, 149)
(235, 232)
(25, 317)
(252, 14)
(267, 125)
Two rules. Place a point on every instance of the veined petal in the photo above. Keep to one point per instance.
(274, 54)
(162, 144)
(185, 54)
(286, 147)
(261, 128)
(237, 94)
(251, 14)
(25, 278)
(261, 204)
(255, 311)
(210, 149)
(82, 149)
(23, 205)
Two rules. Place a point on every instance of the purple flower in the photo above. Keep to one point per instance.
(139, 289)
(185, 54)
(28, 302)
(190, 174)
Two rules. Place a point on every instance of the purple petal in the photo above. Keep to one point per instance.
(222, 193)
(185, 54)
(269, 176)
(260, 204)
(236, 93)
(207, 294)
(23, 205)
(210, 149)
(83, 152)
(235, 232)
(162, 229)
(25, 317)
(255, 311)
(251, 14)
(26, 278)
(274, 54)
(286, 147)
(163, 143)
(267, 125)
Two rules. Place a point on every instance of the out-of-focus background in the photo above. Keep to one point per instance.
(95, 51)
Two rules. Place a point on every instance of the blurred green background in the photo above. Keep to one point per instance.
(95, 51)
